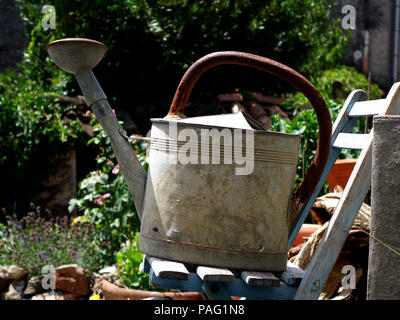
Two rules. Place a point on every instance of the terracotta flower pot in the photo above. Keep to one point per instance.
(340, 173)
(306, 231)
(113, 292)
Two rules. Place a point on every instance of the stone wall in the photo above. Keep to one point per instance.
(12, 35)
(383, 262)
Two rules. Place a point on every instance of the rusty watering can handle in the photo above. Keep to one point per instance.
(284, 72)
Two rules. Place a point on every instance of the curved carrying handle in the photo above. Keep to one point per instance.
(284, 72)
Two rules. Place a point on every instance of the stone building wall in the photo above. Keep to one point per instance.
(376, 16)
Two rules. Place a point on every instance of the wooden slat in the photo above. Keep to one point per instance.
(168, 269)
(145, 265)
(293, 275)
(260, 279)
(210, 274)
(367, 108)
(350, 141)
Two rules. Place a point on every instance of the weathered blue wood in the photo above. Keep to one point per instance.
(145, 265)
(354, 141)
(343, 123)
(168, 269)
(238, 288)
(194, 283)
(343, 217)
(293, 275)
(210, 274)
(366, 108)
(339, 226)
(260, 279)
(215, 291)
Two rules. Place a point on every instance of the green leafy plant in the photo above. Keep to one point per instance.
(105, 201)
(305, 121)
(129, 261)
(301, 30)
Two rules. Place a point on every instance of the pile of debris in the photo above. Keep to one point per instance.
(354, 252)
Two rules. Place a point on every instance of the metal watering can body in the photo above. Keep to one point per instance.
(208, 214)
(194, 209)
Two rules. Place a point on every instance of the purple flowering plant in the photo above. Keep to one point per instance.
(38, 239)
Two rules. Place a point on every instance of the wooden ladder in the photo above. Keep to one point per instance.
(294, 283)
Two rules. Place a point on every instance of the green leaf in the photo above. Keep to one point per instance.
(72, 204)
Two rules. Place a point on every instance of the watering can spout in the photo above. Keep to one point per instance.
(79, 56)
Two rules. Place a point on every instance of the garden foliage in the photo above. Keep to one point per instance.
(305, 121)
(32, 126)
(151, 44)
(129, 260)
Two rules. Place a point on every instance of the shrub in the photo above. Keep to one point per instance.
(38, 239)
(305, 121)
(32, 124)
(166, 37)
(348, 79)
(296, 32)
(105, 201)
(31, 128)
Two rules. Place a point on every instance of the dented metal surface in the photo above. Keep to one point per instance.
(206, 214)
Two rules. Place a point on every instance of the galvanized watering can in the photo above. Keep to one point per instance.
(224, 202)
